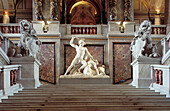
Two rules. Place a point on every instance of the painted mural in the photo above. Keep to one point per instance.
(122, 60)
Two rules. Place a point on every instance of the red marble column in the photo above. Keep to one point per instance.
(18, 27)
(4, 29)
(15, 29)
(79, 30)
(169, 42)
(91, 30)
(157, 76)
(76, 30)
(11, 31)
(87, 30)
(72, 30)
(160, 77)
(84, 30)
(15, 76)
(11, 77)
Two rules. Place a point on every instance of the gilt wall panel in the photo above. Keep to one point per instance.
(47, 59)
(122, 60)
(97, 51)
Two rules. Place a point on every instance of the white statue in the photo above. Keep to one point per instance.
(88, 69)
(142, 42)
(80, 56)
(28, 40)
(84, 61)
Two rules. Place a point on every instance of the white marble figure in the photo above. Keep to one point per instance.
(80, 56)
(29, 40)
(142, 42)
(88, 69)
(84, 62)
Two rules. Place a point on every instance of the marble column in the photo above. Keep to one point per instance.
(167, 13)
(63, 20)
(102, 11)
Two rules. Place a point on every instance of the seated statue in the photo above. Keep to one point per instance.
(28, 40)
(142, 42)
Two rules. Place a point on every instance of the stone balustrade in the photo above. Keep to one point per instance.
(158, 29)
(161, 78)
(10, 28)
(9, 79)
(158, 76)
(166, 48)
(75, 29)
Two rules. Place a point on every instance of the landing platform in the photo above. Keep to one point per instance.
(84, 81)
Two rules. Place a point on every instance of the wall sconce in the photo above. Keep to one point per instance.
(45, 28)
(5, 16)
(121, 28)
(158, 11)
(157, 17)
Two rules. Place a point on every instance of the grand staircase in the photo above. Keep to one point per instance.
(82, 97)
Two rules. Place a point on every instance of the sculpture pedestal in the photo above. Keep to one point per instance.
(38, 26)
(29, 71)
(84, 81)
(53, 27)
(141, 71)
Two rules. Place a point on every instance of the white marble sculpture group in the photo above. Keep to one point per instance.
(142, 42)
(84, 65)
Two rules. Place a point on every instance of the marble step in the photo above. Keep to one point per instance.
(84, 108)
(146, 103)
(88, 93)
(113, 90)
(91, 96)
(24, 100)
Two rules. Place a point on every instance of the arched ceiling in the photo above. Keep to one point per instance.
(83, 3)
(95, 3)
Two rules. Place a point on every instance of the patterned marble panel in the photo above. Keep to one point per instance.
(95, 50)
(122, 60)
(46, 57)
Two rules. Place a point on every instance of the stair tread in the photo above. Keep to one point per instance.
(86, 97)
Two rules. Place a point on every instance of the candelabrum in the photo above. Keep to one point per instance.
(38, 10)
(54, 10)
(112, 9)
(127, 10)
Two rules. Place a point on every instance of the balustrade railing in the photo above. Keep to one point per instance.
(9, 75)
(84, 29)
(10, 28)
(158, 29)
(160, 78)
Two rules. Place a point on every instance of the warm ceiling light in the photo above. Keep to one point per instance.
(158, 11)
(5, 12)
